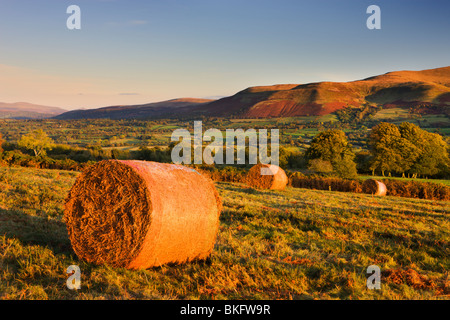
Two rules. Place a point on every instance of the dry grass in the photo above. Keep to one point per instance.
(290, 244)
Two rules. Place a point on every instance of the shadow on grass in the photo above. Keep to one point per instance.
(35, 230)
(243, 188)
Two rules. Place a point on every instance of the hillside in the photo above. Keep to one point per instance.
(167, 108)
(291, 244)
(24, 110)
(394, 89)
(427, 88)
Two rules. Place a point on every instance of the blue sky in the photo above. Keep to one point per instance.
(130, 51)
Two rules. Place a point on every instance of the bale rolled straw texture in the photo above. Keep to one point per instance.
(374, 187)
(274, 179)
(139, 214)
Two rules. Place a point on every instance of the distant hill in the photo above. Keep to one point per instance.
(429, 89)
(394, 89)
(24, 110)
(165, 108)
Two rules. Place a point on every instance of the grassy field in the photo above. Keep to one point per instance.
(292, 244)
(392, 114)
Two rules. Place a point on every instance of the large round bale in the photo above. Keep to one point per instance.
(139, 214)
(267, 176)
(374, 187)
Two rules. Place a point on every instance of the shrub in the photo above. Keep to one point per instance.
(398, 188)
(325, 183)
(226, 174)
(415, 189)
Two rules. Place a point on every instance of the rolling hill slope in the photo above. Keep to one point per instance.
(403, 88)
(24, 110)
(168, 108)
(291, 244)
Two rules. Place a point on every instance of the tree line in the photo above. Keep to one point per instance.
(398, 150)
(403, 150)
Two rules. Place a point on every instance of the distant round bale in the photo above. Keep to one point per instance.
(374, 187)
(140, 214)
(267, 176)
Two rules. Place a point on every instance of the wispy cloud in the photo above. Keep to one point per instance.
(138, 22)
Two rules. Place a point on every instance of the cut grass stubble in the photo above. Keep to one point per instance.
(290, 244)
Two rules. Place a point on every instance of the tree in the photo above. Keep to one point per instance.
(38, 141)
(432, 155)
(386, 143)
(333, 146)
(407, 149)
(1, 143)
(320, 166)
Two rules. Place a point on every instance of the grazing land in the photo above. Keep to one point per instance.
(291, 244)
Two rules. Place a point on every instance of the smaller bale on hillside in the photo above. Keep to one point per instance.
(267, 176)
(374, 187)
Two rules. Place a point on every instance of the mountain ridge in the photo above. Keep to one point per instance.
(403, 89)
(134, 111)
(392, 89)
(26, 110)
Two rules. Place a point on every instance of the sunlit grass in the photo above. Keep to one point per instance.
(292, 244)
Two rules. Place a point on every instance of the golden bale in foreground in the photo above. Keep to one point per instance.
(140, 214)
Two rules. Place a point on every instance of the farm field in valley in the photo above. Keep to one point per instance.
(291, 244)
